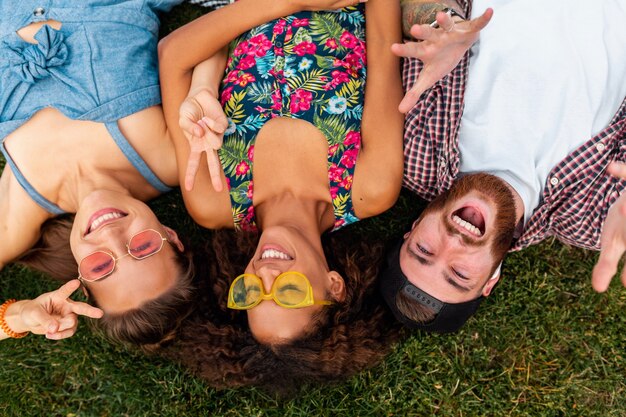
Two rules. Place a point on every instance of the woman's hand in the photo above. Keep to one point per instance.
(203, 121)
(53, 314)
(317, 5)
(613, 240)
(439, 49)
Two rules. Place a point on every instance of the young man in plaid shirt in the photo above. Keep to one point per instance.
(521, 141)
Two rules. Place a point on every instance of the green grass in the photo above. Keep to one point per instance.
(544, 344)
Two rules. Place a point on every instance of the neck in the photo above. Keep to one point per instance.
(309, 215)
(519, 203)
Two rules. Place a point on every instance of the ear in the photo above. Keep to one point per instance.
(337, 286)
(492, 281)
(172, 237)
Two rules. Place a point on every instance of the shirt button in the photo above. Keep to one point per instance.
(279, 44)
(39, 11)
(554, 180)
(600, 147)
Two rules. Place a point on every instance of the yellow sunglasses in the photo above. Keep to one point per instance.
(291, 289)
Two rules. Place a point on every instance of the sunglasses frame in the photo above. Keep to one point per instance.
(307, 302)
(112, 255)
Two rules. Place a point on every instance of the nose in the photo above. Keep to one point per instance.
(113, 238)
(268, 275)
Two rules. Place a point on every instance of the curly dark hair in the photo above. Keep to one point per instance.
(151, 325)
(347, 337)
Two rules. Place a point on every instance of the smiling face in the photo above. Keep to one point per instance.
(460, 238)
(283, 249)
(106, 221)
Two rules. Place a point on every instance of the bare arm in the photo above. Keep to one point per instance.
(378, 176)
(20, 219)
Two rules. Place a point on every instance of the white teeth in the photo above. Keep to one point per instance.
(99, 220)
(274, 254)
(466, 225)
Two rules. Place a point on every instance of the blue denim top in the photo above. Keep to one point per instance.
(100, 66)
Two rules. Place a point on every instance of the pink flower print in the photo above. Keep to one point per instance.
(232, 76)
(348, 40)
(332, 43)
(279, 27)
(288, 34)
(300, 22)
(229, 61)
(241, 49)
(242, 168)
(352, 62)
(332, 149)
(333, 192)
(277, 100)
(228, 182)
(300, 101)
(250, 191)
(335, 173)
(359, 50)
(246, 62)
(346, 183)
(339, 223)
(348, 159)
(244, 79)
(226, 93)
(340, 77)
(353, 138)
(259, 45)
(251, 155)
(304, 48)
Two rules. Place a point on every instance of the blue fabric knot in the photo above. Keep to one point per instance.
(34, 61)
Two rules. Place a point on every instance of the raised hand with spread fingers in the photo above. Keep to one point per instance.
(440, 49)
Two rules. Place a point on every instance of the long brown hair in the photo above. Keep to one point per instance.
(348, 337)
(151, 325)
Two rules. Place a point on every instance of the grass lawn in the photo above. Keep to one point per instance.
(544, 344)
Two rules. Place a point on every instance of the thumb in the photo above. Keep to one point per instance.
(52, 326)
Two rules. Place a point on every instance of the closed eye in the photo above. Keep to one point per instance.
(423, 249)
(458, 274)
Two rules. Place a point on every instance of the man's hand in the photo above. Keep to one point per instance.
(439, 49)
(613, 241)
(203, 121)
(54, 313)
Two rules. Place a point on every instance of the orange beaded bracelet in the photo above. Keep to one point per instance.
(3, 324)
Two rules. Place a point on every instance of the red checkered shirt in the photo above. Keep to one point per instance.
(577, 195)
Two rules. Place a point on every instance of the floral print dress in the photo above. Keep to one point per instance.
(308, 66)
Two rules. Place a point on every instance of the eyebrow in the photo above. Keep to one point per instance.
(447, 277)
(455, 284)
(419, 258)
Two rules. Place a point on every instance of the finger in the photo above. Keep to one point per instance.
(606, 267)
(67, 289)
(445, 21)
(216, 125)
(423, 32)
(481, 21)
(215, 170)
(84, 309)
(190, 126)
(408, 101)
(193, 164)
(408, 50)
(61, 335)
(617, 169)
(68, 322)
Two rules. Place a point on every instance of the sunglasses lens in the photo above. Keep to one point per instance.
(144, 244)
(96, 266)
(291, 289)
(246, 290)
